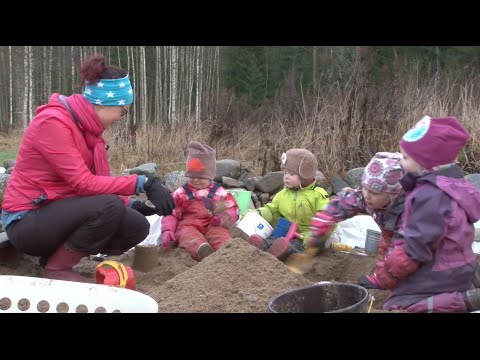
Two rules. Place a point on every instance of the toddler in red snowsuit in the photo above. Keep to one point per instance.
(204, 211)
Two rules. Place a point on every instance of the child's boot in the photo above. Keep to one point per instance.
(204, 250)
(476, 279)
(280, 248)
(256, 240)
(472, 299)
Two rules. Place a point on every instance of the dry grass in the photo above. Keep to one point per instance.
(9, 144)
(343, 125)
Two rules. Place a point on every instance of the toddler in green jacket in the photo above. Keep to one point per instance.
(297, 202)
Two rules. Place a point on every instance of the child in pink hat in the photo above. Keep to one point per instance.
(431, 266)
(204, 210)
(381, 197)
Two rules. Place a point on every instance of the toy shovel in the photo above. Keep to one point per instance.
(301, 263)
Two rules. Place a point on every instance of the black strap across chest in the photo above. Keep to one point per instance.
(210, 195)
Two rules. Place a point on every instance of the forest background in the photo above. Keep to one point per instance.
(252, 103)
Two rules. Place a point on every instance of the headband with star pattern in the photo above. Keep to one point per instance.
(110, 92)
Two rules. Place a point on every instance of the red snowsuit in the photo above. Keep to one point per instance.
(191, 218)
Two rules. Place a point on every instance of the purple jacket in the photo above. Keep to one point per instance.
(437, 231)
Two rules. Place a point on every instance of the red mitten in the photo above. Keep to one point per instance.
(216, 221)
(386, 280)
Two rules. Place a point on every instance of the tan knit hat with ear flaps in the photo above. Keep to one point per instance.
(301, 162)
(201, 161)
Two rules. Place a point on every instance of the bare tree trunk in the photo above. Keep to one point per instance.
(119, 58)
(173, 85)
(30, 84)
(10, 85)
(166, 88)
(198, 100)
(45, 67)
(60, 69)
(25, 88)
(49, 77)
(314, 68)
(206, 80)
(142, 98)
(80, 50)
(180, 93)
(158, 84)
(217, 57)
(72, 68)
(3, 70)
(191, 73)
(133, 117)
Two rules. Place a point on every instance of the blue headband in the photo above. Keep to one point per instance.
(109, 92)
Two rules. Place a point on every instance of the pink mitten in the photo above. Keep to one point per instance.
(320, 224)
(168, 239)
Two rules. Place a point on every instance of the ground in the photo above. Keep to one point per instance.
(236, 278)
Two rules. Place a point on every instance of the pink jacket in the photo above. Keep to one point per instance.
(54, 160)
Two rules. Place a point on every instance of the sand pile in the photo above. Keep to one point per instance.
(236, 278)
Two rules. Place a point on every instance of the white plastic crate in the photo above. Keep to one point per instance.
(23, 294)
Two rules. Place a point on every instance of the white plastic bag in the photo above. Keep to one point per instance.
(154, 235)
(353, 231)
(477, 231)
(476, 247)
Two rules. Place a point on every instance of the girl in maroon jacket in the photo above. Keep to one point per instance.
(431, 266)
(61, 202)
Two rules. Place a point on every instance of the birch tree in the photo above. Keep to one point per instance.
(191, 73)
(198, 107)
(133, 117)
(49, 75)
(217, 61)
(30, 84)
(142, 99)
(3, 85)
(173, 86)
(72, 66)
(10, 85)
(165, 99)
(158, 84)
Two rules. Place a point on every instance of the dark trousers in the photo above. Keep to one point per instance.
(93, 224)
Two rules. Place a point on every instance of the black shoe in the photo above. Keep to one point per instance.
(204, 250)
(42, 261)
(476, 279)
(472, 299)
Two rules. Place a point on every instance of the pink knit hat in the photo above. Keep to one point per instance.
(434, 141)
(383, 172)
(201, 161)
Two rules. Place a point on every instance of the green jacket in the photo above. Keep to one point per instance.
(296, 206)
